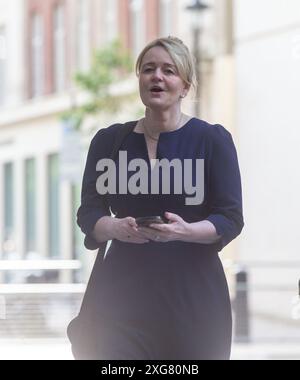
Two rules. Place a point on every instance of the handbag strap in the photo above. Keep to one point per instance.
(122, 133)
(124, 130)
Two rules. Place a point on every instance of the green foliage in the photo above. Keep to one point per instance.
(109, 65)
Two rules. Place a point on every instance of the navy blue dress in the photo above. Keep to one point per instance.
(165, 300)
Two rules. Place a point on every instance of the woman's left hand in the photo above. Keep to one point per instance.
(175, 229)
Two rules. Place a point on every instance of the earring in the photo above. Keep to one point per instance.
(182, 96)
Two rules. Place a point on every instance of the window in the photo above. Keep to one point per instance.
(37, 56)
(76, 233)
(137, 32)
(165, 19)
(53, 206)
(9, 211)
(110, 19)
(83, 40)
(2, 64)
(59, 67)
(77, 237)
(30, 206)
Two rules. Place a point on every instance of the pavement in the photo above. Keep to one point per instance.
(266, 351)
(35, 349)
(59, 349)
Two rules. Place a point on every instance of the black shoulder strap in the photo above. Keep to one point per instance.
(122, 133)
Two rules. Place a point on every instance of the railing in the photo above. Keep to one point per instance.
(271, 303)
(39, 264)
(39, 309)
(38, 271)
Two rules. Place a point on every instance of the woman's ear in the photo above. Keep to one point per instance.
(186, 90)
(187, 86)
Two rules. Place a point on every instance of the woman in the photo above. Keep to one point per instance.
(162, 293)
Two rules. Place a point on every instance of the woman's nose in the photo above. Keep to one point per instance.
(157, 74)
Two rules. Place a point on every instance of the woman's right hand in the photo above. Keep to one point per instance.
(125, 229)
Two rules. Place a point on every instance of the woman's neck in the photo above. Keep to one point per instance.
(163, 121)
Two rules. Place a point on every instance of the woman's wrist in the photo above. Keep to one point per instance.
(105, 229)
(189, 235)
(201, 232)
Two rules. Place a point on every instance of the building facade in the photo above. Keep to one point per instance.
(267, 60)
(39, 55)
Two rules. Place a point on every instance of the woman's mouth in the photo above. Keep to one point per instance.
(156, 90)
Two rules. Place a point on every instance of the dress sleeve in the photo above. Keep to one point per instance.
(93, 205)
(225, 192)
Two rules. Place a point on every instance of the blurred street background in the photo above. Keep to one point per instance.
(67, 70)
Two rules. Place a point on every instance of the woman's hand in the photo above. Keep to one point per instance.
(175, 229)
(125, 229)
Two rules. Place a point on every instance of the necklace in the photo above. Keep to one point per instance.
(154, 138)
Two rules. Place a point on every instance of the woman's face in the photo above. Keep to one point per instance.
(159, 81)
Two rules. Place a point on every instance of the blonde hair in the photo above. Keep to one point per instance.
(180, 55)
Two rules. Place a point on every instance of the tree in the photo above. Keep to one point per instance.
(109, 65)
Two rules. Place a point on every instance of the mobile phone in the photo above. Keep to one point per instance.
(145, 221)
